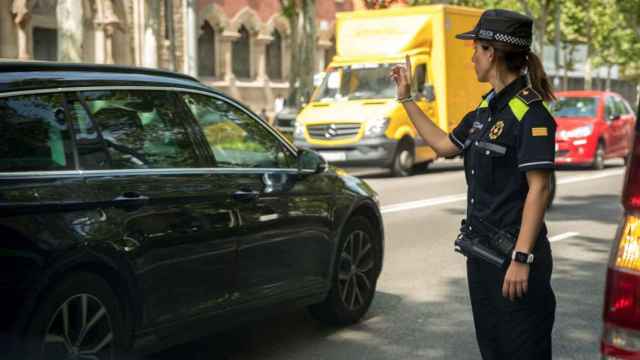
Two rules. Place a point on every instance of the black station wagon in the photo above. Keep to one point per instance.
(140, 208)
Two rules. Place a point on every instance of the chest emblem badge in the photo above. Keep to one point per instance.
(496, 130)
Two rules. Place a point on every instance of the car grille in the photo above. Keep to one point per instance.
(333, 131)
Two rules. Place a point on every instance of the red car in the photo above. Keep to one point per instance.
(621, 333)
(592, 126)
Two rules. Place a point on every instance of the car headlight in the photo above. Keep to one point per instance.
(376, 127)
(299, 130)
(582, 131)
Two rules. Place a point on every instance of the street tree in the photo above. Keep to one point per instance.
(301, 17)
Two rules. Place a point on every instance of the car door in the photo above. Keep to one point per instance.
(284, 246)
(163, 209)
(628, 124)
(616, 128)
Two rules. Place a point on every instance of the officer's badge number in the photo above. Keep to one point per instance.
(496, 130)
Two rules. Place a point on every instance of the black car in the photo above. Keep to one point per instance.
(140, 209)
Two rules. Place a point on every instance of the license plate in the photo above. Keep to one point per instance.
(333, 156)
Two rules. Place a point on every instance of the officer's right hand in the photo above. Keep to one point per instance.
(400, 76)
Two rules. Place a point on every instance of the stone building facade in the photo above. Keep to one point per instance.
(240, 47)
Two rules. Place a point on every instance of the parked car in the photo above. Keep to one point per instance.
(592, 126)
(140, 209)
(285, 121)
(621, 333)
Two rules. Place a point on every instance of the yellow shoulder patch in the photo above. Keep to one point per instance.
(539, 131)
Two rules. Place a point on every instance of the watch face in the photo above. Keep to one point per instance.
(521, 257)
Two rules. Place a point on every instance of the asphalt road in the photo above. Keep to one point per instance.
(421, 309)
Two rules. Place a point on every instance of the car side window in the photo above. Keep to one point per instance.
(140, 129)
(237, 139)
(34, 134)
(621, 108)
(610, 109)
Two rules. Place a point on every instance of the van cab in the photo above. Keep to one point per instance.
(353, 118)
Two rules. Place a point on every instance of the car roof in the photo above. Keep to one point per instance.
(585, 93)
(31, 75)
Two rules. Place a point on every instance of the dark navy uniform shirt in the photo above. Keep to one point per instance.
(510, 133)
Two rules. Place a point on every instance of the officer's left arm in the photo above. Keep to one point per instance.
(536, 155)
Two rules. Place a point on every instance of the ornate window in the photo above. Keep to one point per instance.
(274, 57)
(207, 51)
(241, 55)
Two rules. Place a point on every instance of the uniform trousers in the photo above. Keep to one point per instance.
(513, 330)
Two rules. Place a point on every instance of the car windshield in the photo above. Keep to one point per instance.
(356, 82)
(574, 107)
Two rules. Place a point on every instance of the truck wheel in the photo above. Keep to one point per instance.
(356, 271)
(403, 160)
(422, 167)
(79, 319)
(598, 158)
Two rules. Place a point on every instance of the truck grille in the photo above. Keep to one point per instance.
(333, 131)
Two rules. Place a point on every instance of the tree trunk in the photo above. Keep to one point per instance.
(70, 31)
(307, 67)
(292, 99)
(588, 67)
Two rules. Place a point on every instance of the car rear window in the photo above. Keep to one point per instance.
(34, 135)
(575, 107)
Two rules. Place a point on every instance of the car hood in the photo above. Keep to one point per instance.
(570, 123)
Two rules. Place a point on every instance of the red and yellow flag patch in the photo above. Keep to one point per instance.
(539, 131)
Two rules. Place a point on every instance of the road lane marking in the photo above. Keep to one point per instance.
(600, 175)
(423, 203)
(447, 199)
(563, 236)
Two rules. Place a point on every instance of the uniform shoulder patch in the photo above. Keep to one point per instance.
(528, 95)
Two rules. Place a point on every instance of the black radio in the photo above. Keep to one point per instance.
(495, 247)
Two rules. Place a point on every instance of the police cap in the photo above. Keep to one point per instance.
(503, 26)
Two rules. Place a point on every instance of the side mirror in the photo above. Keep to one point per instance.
(428, 92)
(310, 162)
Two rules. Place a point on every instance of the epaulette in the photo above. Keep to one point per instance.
(528, 95)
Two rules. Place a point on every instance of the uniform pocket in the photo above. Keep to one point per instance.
(490, 158)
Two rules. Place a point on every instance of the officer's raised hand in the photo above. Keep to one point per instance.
(400, 75)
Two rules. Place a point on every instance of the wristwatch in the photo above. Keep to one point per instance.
(521, 257)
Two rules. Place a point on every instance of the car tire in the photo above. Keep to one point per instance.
(403, 160)
(100, 332)
(353, 285)
(598, 158)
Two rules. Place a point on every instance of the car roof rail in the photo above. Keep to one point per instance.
(16, 66)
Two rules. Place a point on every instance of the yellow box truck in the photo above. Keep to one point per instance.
(353, 118)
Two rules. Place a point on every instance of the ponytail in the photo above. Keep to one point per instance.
(538, 78)
(517, 60)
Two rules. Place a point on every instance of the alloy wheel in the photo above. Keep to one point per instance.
(356, 269)
(80, 329)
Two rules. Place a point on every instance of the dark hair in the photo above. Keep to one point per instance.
(517, 59)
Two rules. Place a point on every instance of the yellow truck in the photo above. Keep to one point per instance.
(353, 118)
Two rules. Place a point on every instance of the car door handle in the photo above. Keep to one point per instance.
(130, 200)
(245, 195)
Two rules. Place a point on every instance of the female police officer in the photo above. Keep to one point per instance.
(508, 148)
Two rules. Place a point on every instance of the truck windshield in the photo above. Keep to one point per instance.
(574, 107)
(356, 82)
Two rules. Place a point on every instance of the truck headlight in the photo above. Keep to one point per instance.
(298, 132)
(376, 127)
(582, 131)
